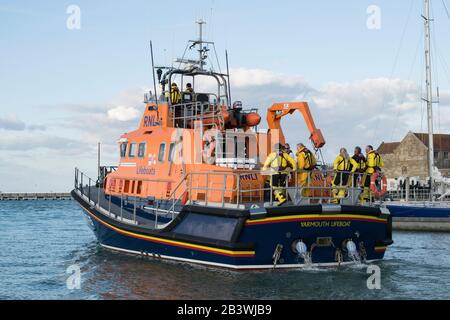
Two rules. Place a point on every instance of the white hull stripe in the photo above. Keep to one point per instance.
(238, 267)
(127, 164)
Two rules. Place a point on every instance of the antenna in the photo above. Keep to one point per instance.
(153, 71)
(200, 23)
(228, 76)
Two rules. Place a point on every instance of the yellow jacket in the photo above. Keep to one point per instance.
(280, 163)
(175, 96)
(374, 161)
(341, 164)
(305, 159)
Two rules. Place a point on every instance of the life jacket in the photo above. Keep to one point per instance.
(374, 162)
(344, 164)
(175, 96)
(280, 162)
(361, 161)
(309, 158)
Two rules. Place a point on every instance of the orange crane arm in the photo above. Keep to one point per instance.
(279, 110)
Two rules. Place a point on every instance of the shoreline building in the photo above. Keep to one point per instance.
(408, 158)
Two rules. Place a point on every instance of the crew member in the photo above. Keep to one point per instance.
(175, 96)
(280, 164)
(187, 97)
(189, 88)
(361, 161)
(288, 150)
(306, 162)
(343, 165)
(374, 163)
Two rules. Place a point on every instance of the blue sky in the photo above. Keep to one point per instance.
(57, 85)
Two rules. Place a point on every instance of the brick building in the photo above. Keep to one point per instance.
(409, 156)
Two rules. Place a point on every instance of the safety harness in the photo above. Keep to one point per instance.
(361, 161)
(308, 156)
(347, 164)
(377, 161)
(282, 156)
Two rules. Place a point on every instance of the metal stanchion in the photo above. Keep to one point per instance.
(134, 210)
(109, 205)
(98, 197)
(121, 206)
(207, 188)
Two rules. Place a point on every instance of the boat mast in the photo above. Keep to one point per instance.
(429, 97)
(200, 23)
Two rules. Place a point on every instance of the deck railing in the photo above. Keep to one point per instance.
(184, 114)
(226, 189)
(318, 188)
(86, 185)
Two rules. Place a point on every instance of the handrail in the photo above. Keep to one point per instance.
(251, 192)
(229, 188)
(196, 111)
(172, 195)
(80, 178)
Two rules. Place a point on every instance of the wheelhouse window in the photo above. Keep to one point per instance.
(162, 152)
(141, 150)
(132, 152)
(171, 152)
(123, 149)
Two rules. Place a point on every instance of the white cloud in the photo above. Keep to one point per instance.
(26, 142)
(122, 113)
(36, 127)
(12, 123)
(244, 78)
(367, 94)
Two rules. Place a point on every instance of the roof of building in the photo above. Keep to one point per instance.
(387, 147)
(441, 142)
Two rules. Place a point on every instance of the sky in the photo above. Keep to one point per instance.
(64, 88)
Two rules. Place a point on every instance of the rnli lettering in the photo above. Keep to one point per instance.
(325, 224)
(150, 121)
(146, 171)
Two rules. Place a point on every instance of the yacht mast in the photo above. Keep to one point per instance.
(429, 97)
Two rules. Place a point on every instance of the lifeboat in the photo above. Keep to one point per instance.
(189, 186)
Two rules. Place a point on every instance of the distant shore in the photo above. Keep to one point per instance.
(10, 196)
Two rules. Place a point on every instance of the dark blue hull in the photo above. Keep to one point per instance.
(253, 240)
(411, 211)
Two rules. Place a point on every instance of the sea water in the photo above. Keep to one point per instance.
(44, 243)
